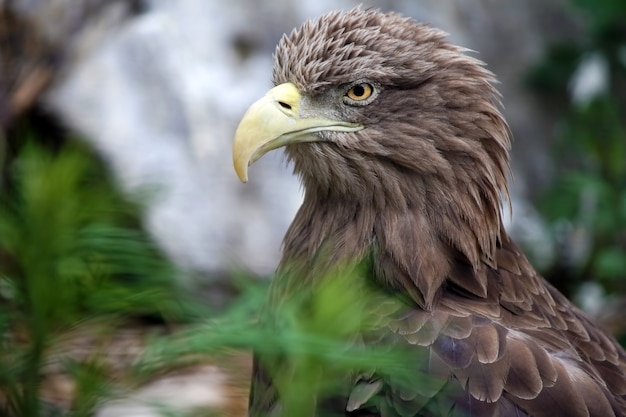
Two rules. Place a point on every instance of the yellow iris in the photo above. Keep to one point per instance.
(360, 92)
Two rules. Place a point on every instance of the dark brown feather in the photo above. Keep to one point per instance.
(416, 195)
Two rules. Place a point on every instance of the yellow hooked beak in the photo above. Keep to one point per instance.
(274, 121)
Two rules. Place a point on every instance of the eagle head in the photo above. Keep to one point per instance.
(385, 115)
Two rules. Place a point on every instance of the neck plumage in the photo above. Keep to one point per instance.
(407, 248)
(413, 218)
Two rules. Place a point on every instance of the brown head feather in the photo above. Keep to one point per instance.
(433, 155)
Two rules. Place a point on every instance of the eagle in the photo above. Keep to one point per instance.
(402, 150)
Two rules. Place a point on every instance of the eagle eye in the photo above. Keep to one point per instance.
(360, 94)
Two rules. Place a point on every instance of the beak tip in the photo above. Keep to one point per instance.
(243, 177)
(242, 172)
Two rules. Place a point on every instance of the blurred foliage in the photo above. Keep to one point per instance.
(586, 204)
(71, 252)
(311, 342)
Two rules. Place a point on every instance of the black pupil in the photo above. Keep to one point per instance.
(358, 90)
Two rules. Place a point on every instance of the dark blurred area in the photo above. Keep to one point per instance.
(583, 86)
(119, 210)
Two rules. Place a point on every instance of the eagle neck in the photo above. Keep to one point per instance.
(400, 247)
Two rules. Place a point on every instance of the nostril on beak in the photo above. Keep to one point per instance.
(284, 105)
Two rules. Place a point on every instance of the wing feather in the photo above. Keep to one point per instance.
(520, 350)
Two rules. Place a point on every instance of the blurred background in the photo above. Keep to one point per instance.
(123, 225)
